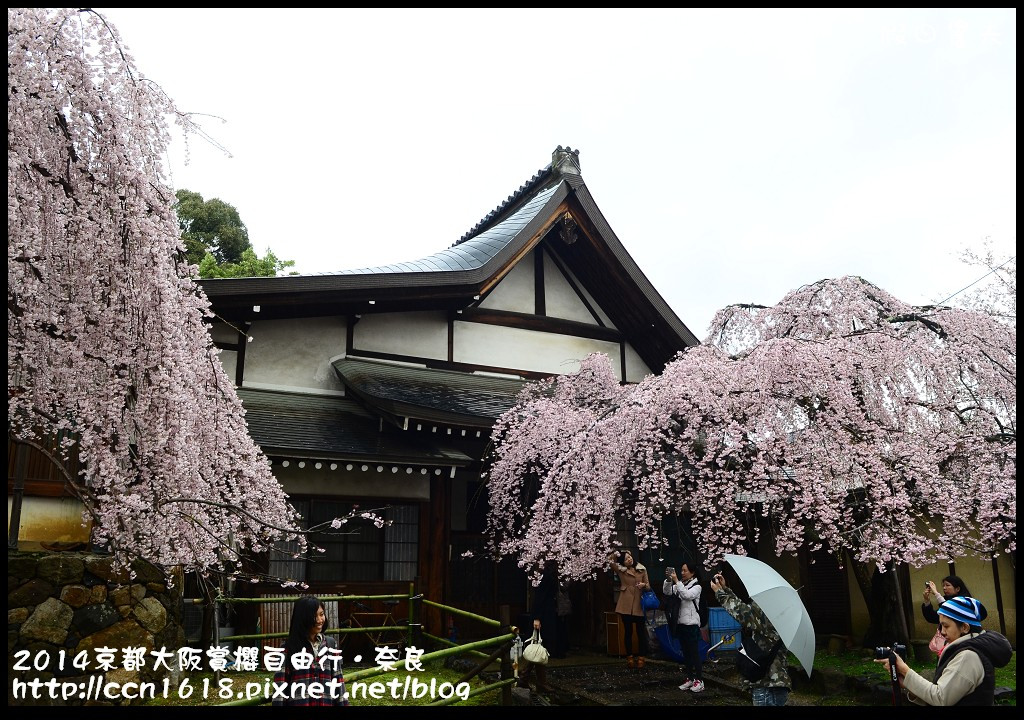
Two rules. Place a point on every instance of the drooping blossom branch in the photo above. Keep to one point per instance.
(107, 341)
(845, 418)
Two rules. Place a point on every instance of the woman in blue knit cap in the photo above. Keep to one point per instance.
(965, 674)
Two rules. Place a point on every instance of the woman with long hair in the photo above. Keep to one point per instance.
(952, 586)
(312, 663)
(633, 581)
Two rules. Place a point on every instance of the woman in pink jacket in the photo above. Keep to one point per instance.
(632, 583)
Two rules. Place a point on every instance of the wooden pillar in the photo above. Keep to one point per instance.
(999, 595)
(14, 521)
(505, 616)
(243, 342)
(434, 573)
(903, 626)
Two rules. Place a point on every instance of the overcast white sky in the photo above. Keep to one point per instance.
(737, 154)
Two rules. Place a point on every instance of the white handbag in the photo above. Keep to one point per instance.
(535, 652)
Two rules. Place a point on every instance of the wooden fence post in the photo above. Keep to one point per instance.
(505, 616)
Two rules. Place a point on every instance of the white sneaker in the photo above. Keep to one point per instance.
(686, 685)
(697, 686)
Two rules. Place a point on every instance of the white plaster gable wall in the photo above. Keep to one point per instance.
(515, 291)
(295, 353)
(420, 334)
(494, 345)
(636, 369)
(560, 300)
(551, 269)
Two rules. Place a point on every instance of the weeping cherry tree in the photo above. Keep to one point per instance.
(840, 419)
(106, 344)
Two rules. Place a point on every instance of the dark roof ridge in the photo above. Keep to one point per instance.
(564, 161)
(538, 177)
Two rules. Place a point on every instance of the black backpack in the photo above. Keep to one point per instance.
(752, 662)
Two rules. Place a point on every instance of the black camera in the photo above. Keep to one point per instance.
(883, 653)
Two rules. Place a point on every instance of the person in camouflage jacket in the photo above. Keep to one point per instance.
(774, 688)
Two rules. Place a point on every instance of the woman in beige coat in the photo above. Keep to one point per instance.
(632, 583)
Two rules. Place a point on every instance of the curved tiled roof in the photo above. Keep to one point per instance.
(473, 252)
(527, 186)
(430, 394)
(449, 279)
(332, 427)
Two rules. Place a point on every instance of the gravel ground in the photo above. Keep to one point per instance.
(657, 684)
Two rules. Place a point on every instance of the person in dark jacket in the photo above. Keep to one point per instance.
(543, 612)
(671, 604)
(563, 609)
(952, 586)
(965, 674)
(312, 660)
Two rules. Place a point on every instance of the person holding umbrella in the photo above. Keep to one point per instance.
(774, 688)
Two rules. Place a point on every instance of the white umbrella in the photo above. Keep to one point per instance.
(781, 604)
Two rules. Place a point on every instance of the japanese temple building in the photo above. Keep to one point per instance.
(379, 386)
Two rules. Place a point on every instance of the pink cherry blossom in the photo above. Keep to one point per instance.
(106, 337)
(841, 418)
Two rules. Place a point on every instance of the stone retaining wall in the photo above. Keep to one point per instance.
(60, 604)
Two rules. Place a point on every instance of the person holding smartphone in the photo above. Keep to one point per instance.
(632, 582)
(671, 605)
(952, 586)
(686, 587)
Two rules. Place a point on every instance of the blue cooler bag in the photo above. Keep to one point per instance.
(670, 644)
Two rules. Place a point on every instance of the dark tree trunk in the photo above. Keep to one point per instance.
(247, 614)
(887, 621)
(209, 608)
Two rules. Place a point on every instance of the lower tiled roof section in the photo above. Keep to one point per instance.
(440, 396)
(318, 426)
